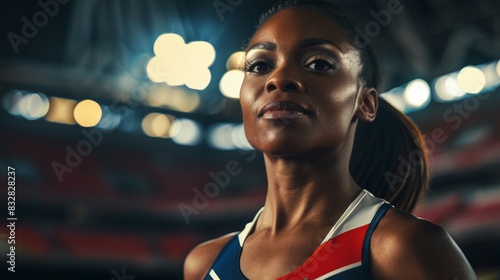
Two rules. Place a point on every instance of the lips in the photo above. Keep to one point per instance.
(284, 109)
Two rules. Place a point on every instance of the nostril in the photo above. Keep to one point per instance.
(271, 87)
(291, 87)
(283, 85)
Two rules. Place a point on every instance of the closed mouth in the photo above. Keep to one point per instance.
(284, 109)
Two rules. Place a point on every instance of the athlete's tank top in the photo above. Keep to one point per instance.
(343, 254)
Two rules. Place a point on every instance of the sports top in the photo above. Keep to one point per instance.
(343, 254)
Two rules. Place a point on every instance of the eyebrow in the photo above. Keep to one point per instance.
(269, 46)
(306, 43)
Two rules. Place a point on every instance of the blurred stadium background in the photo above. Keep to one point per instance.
(122, 122)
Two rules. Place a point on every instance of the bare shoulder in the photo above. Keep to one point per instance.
(201, 258)
(406, 247)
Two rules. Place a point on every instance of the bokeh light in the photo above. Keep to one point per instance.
(451, 85)
(447, 88)
(201, 53)
(220, 136)
(178, 99)
(198, 78)
(11, 100)
(498, 68)
(153, 70)
(61, 110)
(417, 93)
(471, 79)
(490, 73)
(157, 125)
(34, 106)
(235, 61)
(186, 132)
(230, 84)
(396, 100)
(87, 113)
(30, 106)
(228, 136)
(109, 120)
(177, 63)
(441, 91)
(129, 121)
(239, 138)
(169, 45)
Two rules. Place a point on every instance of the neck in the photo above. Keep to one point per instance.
(306, 192)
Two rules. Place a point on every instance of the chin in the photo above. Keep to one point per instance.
(295, 146)
(284, 147)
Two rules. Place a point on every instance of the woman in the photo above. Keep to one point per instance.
(309, 101)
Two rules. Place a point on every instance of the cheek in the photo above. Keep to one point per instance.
(250, 91)
(248, 96)
(337, 99)
(337, 109)
(247, 99)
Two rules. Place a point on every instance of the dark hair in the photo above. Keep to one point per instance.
(389, 157)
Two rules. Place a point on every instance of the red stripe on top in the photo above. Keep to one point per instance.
(340, 251)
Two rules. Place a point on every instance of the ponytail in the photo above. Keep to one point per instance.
(389, 158)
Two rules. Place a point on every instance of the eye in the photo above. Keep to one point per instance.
(319, 64)
(258, 66)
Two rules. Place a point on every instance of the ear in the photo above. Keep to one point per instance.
(367, 104)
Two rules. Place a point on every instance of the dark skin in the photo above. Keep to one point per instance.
(302, 56)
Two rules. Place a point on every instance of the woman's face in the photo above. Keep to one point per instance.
(301, 84)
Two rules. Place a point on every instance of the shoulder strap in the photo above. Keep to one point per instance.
(227, 263)
(365, 254)
(248, 228)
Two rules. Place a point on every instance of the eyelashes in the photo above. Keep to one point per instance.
(256, 66)
(320, 63)
(315, 63)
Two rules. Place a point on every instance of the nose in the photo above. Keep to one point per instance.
(284, 79)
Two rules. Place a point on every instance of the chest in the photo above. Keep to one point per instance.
(264, 257)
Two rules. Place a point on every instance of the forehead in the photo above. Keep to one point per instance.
(291, 25)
